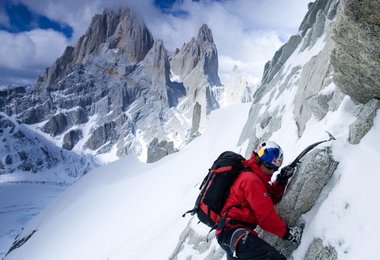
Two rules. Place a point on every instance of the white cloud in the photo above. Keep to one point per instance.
(246, 32)
(241, 37)
(284, 16)
(29, 52)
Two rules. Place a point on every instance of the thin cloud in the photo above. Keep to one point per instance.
(246, 32)
(29, 52)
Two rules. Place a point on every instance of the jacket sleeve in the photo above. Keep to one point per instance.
(276, 191)
(261, 203)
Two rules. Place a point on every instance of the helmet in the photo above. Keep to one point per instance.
(270, 154)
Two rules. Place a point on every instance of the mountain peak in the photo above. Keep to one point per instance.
(205, 34)
(121, 29)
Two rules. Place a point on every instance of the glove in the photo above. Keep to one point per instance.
(285, 174)
(293, 234)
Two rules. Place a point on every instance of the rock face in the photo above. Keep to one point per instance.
(112, 93)
(345, 63)
(194, 132)
(23, 150)
(196, 244)
(364, 121)
(199, 52)
(356, 57)
(302, 192)
(317, 251)
(332, 64)
(158, 150)
(279, 58)
(119, 30)
(196, 64)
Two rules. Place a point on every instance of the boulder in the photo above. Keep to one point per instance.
(101, 135)
(194, 132)
(192, 243)
(302, 192)
(356, 57)
(56, 125)
(364, 121)
(158, 150)
(71, 138)
(318, 251)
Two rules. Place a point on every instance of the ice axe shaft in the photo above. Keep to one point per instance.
(308, 149)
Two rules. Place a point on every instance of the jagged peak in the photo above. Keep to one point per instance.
(120, 29)
(119, 14)
(205, 34)
(109, 22)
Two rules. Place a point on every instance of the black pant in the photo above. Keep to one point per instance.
(249, 247)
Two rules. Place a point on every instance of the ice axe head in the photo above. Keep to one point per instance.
(331, 136)
(308, 149)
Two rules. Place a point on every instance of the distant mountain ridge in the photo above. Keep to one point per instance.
(111, 95)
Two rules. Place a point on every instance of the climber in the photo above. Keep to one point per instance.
(251, 203)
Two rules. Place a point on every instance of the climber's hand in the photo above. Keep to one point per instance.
(285, 174)
(293, 234)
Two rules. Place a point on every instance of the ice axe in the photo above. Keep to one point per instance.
(308, 149)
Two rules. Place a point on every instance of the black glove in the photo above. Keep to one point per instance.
(285, 174)
(293, 234)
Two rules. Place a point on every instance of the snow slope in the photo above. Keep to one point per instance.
(132, 210)
(119, 210)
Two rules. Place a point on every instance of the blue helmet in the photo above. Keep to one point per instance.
(270, 154)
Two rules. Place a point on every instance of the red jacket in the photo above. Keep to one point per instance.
(257, 197)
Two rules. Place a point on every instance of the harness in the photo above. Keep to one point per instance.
(239, 234)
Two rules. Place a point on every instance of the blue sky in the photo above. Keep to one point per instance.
(21, 19)
(34, 33)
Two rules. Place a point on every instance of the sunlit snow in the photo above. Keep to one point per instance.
(132, 210)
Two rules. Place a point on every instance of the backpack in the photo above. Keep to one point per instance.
(216, 186)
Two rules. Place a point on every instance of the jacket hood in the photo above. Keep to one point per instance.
(254, 166)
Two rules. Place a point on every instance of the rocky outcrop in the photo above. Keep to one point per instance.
(158, 150)
(71, 139)
(23, 150)
(364, 121)
(199, 52)
(192, 243)
(60, 122)
(302, 192)
(279, 58)
(318, 251)
(356, 57)
(196, 63)
(311, 19)
(337, 37)
(312, 79)
(194, 132)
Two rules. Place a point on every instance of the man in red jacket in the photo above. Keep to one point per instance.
(251, 203)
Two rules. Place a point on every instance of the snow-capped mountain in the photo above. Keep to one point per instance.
(116, 92)
(237, 89)
(111, 95)
(34, 152)
(325, 78)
